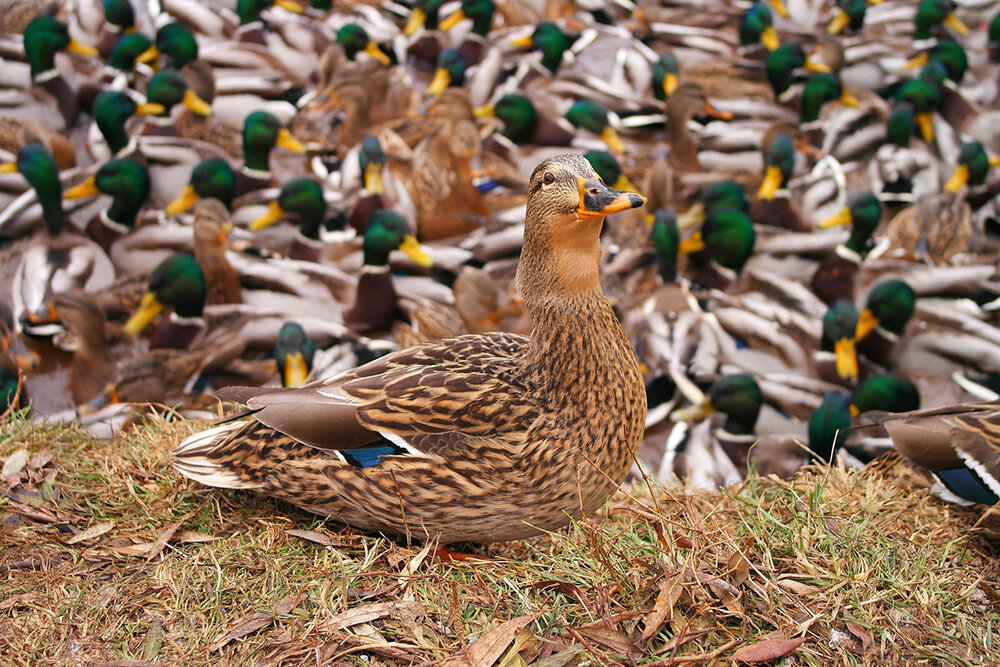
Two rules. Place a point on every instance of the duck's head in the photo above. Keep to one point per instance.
(737, 396)
(425, 14)
(610, 171)
(177, 281)
(592, 116)
(949, 54)
(250, 10)
(755, 26)
(386, 231)
(518, 115)
(723, 194)
(973, 166)
(782, 62)
(850, 13)
(168, 87)
(262, 131)
(450, 71)
(39, 168)
(901, 124)
(933, 13)
(567, 202)
(294, 353)
(550, 40)
(126, 180)
(128, 51)
(840, 325)
(302, 197)
(212, 177)
(354, 40)
(480, 11)
(923, 95)
(890, 305)
(863, 212)
(371, 160)
(44, 36)
(666, 76)
(819, 89)
(993, 35)
(177, 44)
(889, 392)
(119, 13)
(665, 237)
(727, 235)
(779, 162)
(829, 423)
(112, 109)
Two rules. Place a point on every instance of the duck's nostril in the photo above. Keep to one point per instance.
(636, 200)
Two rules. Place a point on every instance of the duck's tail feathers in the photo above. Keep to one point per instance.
(196, 458)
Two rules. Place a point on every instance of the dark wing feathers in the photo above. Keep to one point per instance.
(437, 397)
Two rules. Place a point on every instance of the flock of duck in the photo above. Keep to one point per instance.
(197, 196)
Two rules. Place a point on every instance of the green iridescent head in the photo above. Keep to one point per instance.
(262, 131)
(866, 211)
(127, 181)
(44, 36)
(724, 194)
(781, 64)
(666, 76)
(839, 323)
(729, 237)
(127, 50)
(828, 425)
(112, 109)
(820, 88)
(176, 42)
(479, 11)
(386, 231)
(666, 241)
(304, 198)
(932, 14)
(890, 392)
(39, 168)
(168, 87)
(294, 352)
(453, 62)
(354, 40)
(214, 178)
(738, 397)
(891, 304)
(552, 42)
(178, 281)
(755, 27)
(901, 124)
(518, 116)
(119, 13)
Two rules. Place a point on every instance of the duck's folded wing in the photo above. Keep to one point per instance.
(425, 400)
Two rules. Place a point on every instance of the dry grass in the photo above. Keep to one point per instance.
(107, 557)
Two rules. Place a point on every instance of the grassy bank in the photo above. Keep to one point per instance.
(107, 556)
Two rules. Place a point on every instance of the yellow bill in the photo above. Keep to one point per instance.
(274, 214)
(373, 179)
(917, 61)
(841, 217)
(819, 68)
(485, 111)
(185, 201)
(150, 109)
(441, 81)
(8, 168)
(692, 244)
(452, 20)
(196, 104)
(694, 412)
(838, 23)
(81, 49)
(412, 248)
(847, 359)
(612, 139)
(289, 6)
(959, 177)
(372, 49)
(779, 8)
(866, 324)
(152, 53)
(623, 183)
(416, 21)
(770, 184)
(522, 42)
(670, 82)
(925, 121)
(86, 189)
(849, 100)
(769, 38)
(296, 371)
(148, 309)
(290, 143)
(693, 217)
(955, 24)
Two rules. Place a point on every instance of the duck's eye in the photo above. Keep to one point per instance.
(548, 178)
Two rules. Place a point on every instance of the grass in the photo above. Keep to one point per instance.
(108, 557)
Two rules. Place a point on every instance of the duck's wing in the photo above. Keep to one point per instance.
(426, 400)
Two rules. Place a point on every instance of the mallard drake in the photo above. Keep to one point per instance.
(840, 325)
(178, 282)
(379, 450)
(931, 16)
(450, 71)
(127, 182)
(972, 167)
(727, 238)
(53, 260)
(756, 27)
(375, 305)
(889, 306)
(302, 199)
(550, 41)
(44, 37)
(473, 45)
(958, 444)
(850, 15)
(354, 39)
(781, 63)
(168, 88)
(422, 26)
(294, 353)
(835, 277)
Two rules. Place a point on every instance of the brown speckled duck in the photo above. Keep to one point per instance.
(478, 438)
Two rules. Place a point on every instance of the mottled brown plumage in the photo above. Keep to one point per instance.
(211, 225)
(478, 438)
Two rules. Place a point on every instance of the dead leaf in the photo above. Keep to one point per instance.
(193, 537)
(153, 642)
(40, 459)
(863, 635)
(739, 568)
(15, 463)
(485, 650)
(609, 637)
(767, 650)
(797, 587)
(311, 536)
(242, 627)
(367, 613)
(165, 536)
(94, 531)
(670, 592)
(558, 659)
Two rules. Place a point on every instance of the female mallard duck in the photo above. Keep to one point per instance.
(959, 444)
(378, 448)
